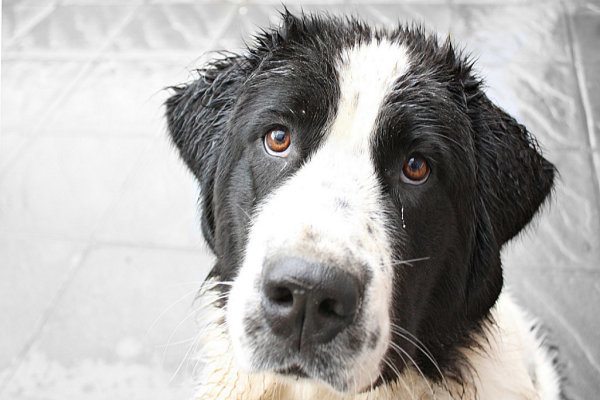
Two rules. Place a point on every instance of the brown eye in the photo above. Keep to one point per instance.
(277, 142)
(415, 170)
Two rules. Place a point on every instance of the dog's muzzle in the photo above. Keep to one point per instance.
(307, 303)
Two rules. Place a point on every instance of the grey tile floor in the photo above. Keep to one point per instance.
(100, 252)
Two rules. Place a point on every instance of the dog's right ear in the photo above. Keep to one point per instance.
(197, 115)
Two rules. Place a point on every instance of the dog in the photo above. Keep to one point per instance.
(357, 186)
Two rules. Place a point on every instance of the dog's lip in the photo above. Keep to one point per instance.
(296, 371)
(293, 370)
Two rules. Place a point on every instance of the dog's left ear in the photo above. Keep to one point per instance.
(513, 179)
(198, 113)
(197, 116)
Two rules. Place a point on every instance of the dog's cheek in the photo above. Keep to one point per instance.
(235, 325)
(366, 366)
(245, 295)
(243, 300)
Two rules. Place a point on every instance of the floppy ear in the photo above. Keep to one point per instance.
(197, 115)
(513, 179)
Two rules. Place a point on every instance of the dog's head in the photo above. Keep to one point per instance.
(356, 186)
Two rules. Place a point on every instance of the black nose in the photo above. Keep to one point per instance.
(308, 303)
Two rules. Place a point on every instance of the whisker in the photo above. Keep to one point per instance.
(185, 357)
(420, 346)
(212, 302)
(347, 379)
(190, 314)
(214, 283)
(398, 348)
(371, 385)
(163, 312)
(416, 342)
(409, 262)
(244, 211)
(209, 285)
(399, 377)
(364, 370)
(200, 296)
(197, 283)
(174, 331)
(177, 343)
(196, 350)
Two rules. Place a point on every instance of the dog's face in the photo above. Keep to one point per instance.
(356, 187)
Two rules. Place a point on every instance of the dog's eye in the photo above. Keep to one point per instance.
(415, 170)
(277, 142)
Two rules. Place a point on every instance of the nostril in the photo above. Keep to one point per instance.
(308, 303)
(280, 295)
(332, 308)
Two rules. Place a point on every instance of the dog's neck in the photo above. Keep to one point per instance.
(510, 361)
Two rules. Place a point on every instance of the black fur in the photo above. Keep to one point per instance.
(488, 176)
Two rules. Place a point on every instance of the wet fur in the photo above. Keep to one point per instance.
(510, 182)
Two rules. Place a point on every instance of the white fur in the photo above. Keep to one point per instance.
(304, 218)
(367, 74)
(510, 362)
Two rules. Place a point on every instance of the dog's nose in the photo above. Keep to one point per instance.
(308, 303)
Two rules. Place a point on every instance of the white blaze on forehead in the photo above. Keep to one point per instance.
(367, 73)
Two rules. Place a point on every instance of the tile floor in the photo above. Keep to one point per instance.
(100, 252)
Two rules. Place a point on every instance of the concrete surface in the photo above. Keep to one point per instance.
(100, 251)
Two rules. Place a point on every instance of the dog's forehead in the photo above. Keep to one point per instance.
(366, 73)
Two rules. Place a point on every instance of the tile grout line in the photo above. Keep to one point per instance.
(580, 74)
(16, 364)
(156, 141)
(212, 41)
(130, 175)
(147, 245)
(69, 89)
(92, 241)
(36, 20)
(84, 55)
(37, 331)
(87, 66)
(567, 326)
(1, 42)
(583, 98)
(153, 141)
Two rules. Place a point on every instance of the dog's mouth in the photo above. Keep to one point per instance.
(298, 372)
(295, 371)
